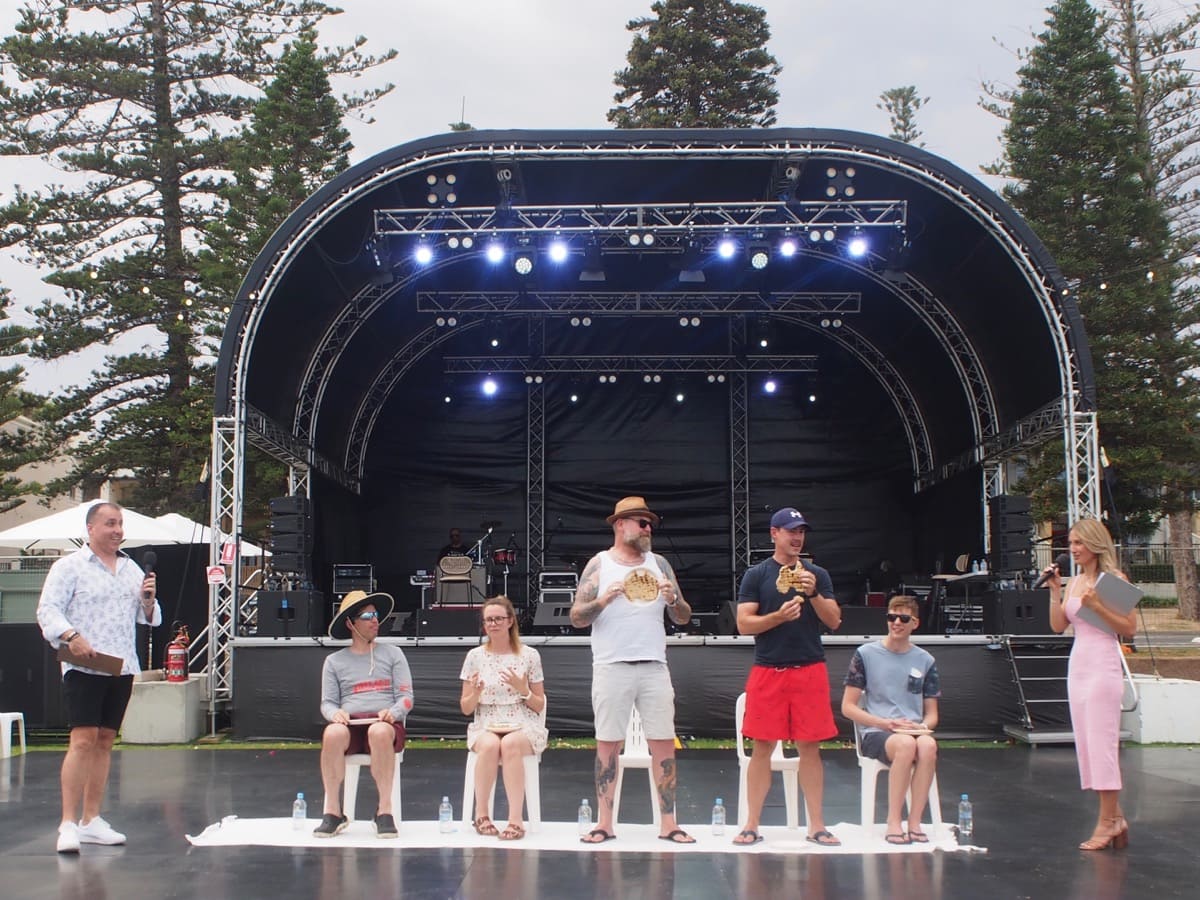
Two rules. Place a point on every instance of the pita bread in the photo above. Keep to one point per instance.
(641, 585)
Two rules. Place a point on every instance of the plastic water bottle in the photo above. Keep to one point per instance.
(585, 816)
(966, 819)
(718, 817)
(299, 812)
(445, 816)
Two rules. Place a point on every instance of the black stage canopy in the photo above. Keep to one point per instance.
(900, 374)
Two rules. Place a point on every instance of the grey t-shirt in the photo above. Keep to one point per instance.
(367, 682)
(894, 685)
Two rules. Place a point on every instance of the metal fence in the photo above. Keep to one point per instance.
(1143, 563)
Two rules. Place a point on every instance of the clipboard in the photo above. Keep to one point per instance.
(1118, 595)
(101, 662)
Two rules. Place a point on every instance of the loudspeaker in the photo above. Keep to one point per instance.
(448, 622)
(290, 506)
(1016, 612)
(727, 618)
(1008, 504)
(291, 543)
(1013, 561)
(554, 617)
(291, 614)
(299, 564)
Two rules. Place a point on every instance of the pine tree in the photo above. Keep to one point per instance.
(1154, 59)
(143, 103)
(902, 104)
(1073, 147)
(18, 444)
(698, 64)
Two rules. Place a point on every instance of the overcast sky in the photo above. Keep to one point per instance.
(550, 64)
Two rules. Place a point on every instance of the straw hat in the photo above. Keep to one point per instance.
(352, 603)
(629, 507)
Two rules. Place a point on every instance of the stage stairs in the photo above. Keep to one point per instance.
(1039, 669)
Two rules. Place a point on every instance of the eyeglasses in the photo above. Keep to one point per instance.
(367, 616)
(495, 620)
(903, 618)
(645, 523)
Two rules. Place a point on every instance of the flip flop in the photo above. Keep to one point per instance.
(897, 839)
(604, 836)
(824, 838)
(754, 838)
(918, 837)
(678, 836)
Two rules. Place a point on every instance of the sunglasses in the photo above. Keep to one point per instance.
(495, 620)
(645, 523)
(367, 616)
(903, 618)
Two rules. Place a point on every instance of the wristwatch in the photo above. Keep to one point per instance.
(525, 697)
(69, 636)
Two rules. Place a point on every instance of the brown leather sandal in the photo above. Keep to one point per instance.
(485, 826)
(512, 832)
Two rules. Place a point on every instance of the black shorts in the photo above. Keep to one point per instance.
(873, 745)
(96, 701)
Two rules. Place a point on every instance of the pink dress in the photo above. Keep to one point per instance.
(1095, 683)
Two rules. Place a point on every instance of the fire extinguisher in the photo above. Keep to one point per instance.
(177, 655)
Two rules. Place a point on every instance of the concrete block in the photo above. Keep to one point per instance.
(1168, 711)
(164, 712)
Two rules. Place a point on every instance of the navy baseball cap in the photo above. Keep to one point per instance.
(788, 518)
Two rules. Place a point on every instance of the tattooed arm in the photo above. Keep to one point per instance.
(678, 608)
(589, 602)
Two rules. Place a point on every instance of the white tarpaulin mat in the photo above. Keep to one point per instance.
(233, 831)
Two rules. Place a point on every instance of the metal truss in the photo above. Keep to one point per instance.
(992, 483)
(614, 224)
(557, 365)
(535, 496)
(1083, 465)
(225, 505)
(266, 434)
(629, 303)
(739, 474)
(1036, 428)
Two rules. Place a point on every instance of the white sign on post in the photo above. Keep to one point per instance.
(216, 574)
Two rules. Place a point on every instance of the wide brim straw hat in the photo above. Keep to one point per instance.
(352, 603)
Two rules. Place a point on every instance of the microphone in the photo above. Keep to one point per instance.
(149, 558)
(1062, 563)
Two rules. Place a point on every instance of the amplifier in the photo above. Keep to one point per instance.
(558, 580)
(349, 577)
(291, 614)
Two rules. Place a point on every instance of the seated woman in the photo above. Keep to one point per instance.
(503, 689)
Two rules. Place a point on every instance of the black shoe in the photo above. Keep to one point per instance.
(385, 826)
(331, 825)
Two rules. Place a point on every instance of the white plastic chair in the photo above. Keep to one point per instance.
(787, 766)
(870, 769)
(7, 722)
(355, 762)
(636, 755)
(533, 785)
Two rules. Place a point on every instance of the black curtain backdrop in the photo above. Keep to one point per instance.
(829, 444)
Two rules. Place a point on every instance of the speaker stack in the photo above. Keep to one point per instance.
(1011, 529)
(289, 614)
(292, 537)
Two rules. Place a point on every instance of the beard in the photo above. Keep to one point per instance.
(642, 542)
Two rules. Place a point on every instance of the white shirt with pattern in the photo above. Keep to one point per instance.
(83, 594)
(500, 704)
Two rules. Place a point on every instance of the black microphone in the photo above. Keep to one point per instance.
(1062, 563)
(149, 558)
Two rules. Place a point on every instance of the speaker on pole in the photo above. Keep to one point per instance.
(292, 536)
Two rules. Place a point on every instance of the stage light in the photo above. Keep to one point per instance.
(837, 323)
(440, 321)
(828, 235)
(423, 254)
(759, 257)
(857, 246)
(788, 247)
(451, 321)
(683, 321)
(489, 387)
(825, 323)
(523, 262)
(495, 252)
(468, 242)
(812, 398)
(635, 240)
(770, 386)
(815, 235)
(648, 239)
(593, 262)
(446, 399)
(586, 321)
(495, 342)
(679, 397)
(689, 267)
(452, 242)
(558, 251)
(726, 248)
(574, 398)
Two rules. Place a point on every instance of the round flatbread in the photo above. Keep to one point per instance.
(641, 586)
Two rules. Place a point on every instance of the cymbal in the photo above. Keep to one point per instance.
(490, 523)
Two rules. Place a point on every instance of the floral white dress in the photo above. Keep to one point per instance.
(499, 704)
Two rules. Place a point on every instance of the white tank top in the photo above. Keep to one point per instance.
(626, 631)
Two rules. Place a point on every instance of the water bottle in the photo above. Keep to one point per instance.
(585, 816)
(966, 819)
(445, 816)
(718, 817)
(299, 812)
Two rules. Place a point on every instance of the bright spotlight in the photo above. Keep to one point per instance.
(490, 387)
(574, 398)
(726, 248)
(523, 263)
(679, 398)
(788, 248)
(812, 398)
(558, 251)
(446, 399)
(495, 252)
(857, 247)
(759, 259)
(423, 254)
(769, 386)
(495, 342)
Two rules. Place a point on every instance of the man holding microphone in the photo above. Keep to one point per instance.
(91, 603)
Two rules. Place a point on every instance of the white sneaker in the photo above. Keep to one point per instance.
(68, 838)
(98, 831)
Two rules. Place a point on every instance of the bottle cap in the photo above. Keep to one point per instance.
(300, 795)
(447, 799)
(719, 801)
(964, 796)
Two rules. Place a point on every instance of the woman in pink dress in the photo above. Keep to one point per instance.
(503, 691)
(1095, 676)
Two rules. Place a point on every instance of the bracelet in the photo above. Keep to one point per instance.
(525, 697)
(70, 637)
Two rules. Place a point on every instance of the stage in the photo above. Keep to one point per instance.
(1029, 812)
(277, 683)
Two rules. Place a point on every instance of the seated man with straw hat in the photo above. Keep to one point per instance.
(366, 694)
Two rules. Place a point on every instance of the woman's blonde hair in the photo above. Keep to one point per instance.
(1093, 535)
(514, 632)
